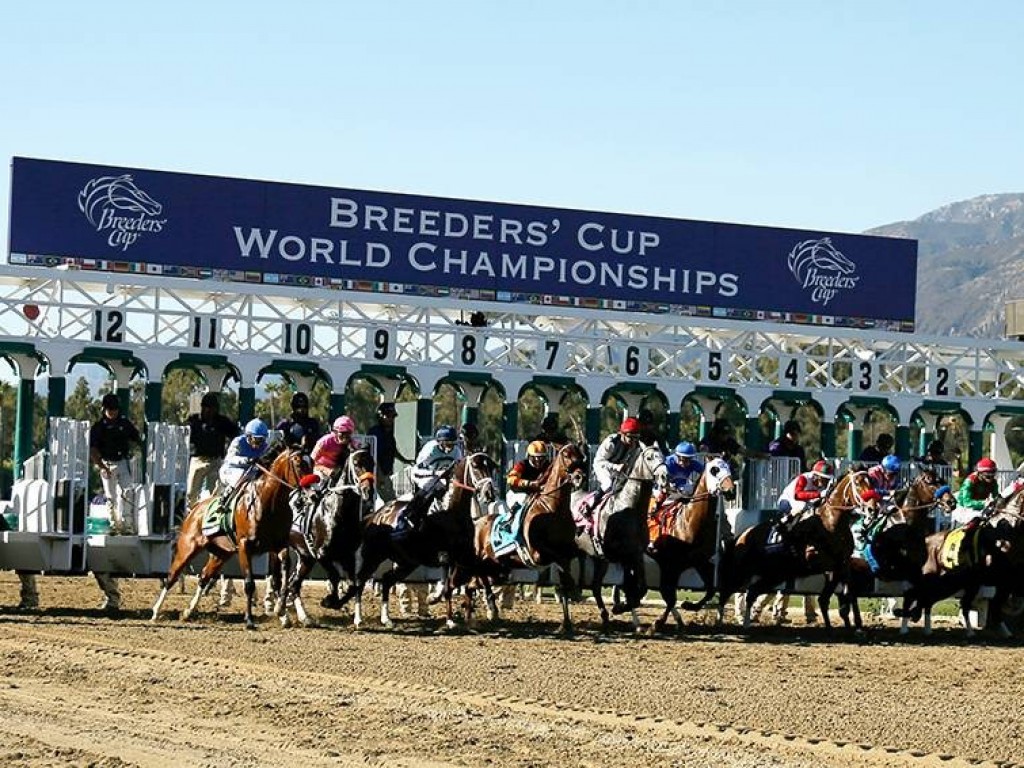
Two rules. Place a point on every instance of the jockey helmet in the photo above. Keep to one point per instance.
(446, 433)
(985, 466)
(630, 426)
(791, 427)
(386, 409)
(470, 431)
(257, 428)
(823, 468)
(891, 463)
(111, 402)
(537, 448)
(209, 401)
(300, 400)
(344, 424)
(686, 449)
(297, 432)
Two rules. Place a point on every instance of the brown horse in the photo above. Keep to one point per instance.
(548, 529)
(444, 538)
(820, 542)
(333, 532)
(686, 536)
(988, 551)
(891, 546)
(262, 521)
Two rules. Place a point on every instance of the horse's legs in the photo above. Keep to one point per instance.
(250, 583)
(966, 603)
(567, 588)
(387, 581)
(186, 548)
(206, 577)
(596, 585)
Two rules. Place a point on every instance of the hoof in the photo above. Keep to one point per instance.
(331, 601)
(250, 625)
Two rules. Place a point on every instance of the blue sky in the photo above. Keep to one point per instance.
(818, 115)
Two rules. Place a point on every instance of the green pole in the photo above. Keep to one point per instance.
(56, 397)
(246, 404)
(154, 393)
(23, 425)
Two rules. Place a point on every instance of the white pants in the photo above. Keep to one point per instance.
(115, 477)
(203, 475)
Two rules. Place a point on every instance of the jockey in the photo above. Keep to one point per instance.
(803, 492)
(524, 477)
(332, 450)
(608, 461)
(434, 459)
(241, 455)
(977, 491)
(684, 473)
(885, 476)
(469, 434)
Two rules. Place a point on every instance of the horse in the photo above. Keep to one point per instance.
(685, 535)
(987, 551)
(818, 542)
(618, 530)
(333, 531)
(262, 520)
(444, 538)
(548, 535)
(892, 545)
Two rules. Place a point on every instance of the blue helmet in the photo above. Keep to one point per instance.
(686, 449)
(891, 463)
(256, 428)
(446, 433)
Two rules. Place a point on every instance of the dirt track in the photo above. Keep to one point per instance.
(80, 688)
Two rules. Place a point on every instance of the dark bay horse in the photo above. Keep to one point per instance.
(444, 538)
(891, 546)
(685, 535)
(988, 551)
(820, 542)
(548, 529)
(619, 531)
(334, 531)
(262, 520)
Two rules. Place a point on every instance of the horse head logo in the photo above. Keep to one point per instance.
(116, 192)
(117, 205)
(819, 266)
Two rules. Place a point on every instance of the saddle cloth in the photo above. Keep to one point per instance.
(960, 549)
(507, 531)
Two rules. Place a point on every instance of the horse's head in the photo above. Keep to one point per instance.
(854, 491)
(649, 464)
(926, 492)
(569, 464)
(359, 472)
(718, 477)
(478, 473)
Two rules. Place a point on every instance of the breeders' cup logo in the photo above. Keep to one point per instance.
(115, 205)
(819, 266)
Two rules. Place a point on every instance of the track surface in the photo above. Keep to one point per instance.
(80, 688)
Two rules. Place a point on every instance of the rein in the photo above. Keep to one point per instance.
(279, 479)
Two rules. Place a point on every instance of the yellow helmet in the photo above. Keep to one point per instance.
(537, 448)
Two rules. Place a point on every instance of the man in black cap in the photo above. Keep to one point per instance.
(551, 433)
(209, 433)
(789, 444)
(110, 443)
(300, 429)
(387, 450)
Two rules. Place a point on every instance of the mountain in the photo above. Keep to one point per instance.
(970, 263)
